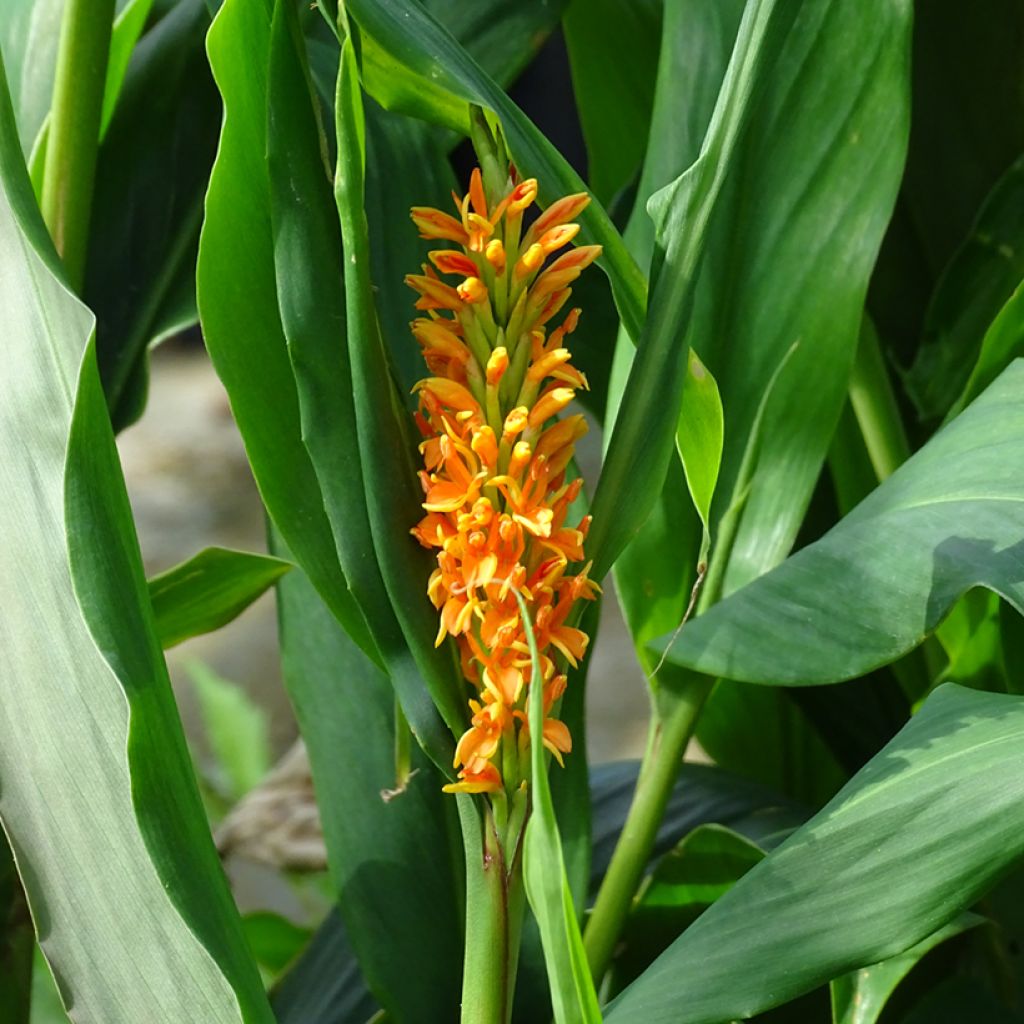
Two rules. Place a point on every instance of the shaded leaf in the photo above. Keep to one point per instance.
(236, 729)
(393, 874)
(860, 997)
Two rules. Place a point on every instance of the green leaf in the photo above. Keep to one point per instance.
(979, 280)
(875, 585)
(29, 32)
(655, 572)
(324, 986)
(572, 989)
(390, 484)
(209, 590)
(152, 170)
(860, 997)
(128, 26)
(613, 54)
(237, 296)
(393, 873)
(275, 941)
(959, 999)
(702, 867)
(904, 809)
(1003, 342)
(703, 794)
(120, 872)
(699, 438)
(411, 63)
(236, 729)
(319, 308)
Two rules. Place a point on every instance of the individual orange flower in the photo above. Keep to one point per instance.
(496, 458)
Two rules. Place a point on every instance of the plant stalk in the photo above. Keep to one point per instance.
(672, 725)
(494, 913)
(75, 116)
(874, 406)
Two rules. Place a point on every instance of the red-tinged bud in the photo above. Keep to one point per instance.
(433, 223)
(554, 239)
(432, 335)
(472, 291)
(451, 261)
(450, 394)
(565, 269)
(434, 294)
(522, 195)
(559, 212)
(553, 305)
(497, 364)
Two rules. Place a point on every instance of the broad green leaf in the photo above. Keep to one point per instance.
(904, 809)
(17, 942)
(613, 54)
(860, 997)
(312, 300)
(873, 587)
(656, 571)
(236, 729)
(810, 204)
(641, 446)
(389, 459)
(237, 296)
(29, 32)
(979, 280)
(209, 590)
(393, 873)
(547, 886)
(324, 986)
(411, 63)
(700, 869)
(121, 875)
(152, 170)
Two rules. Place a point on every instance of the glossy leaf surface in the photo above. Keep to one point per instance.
(903, 809)
(875, 585)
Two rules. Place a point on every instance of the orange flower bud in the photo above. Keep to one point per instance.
(497, 364)
(550, 404)
(435, 224)
(495, 255)
(472, 290)
(450, 261)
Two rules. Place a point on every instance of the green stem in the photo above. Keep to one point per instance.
(494, 913)
(672, 726)
(874, 406)
(75, 129)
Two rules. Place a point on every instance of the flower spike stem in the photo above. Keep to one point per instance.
(672, 726)
(494, 915)
(70, 166)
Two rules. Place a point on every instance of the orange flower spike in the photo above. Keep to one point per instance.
(496, 500)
